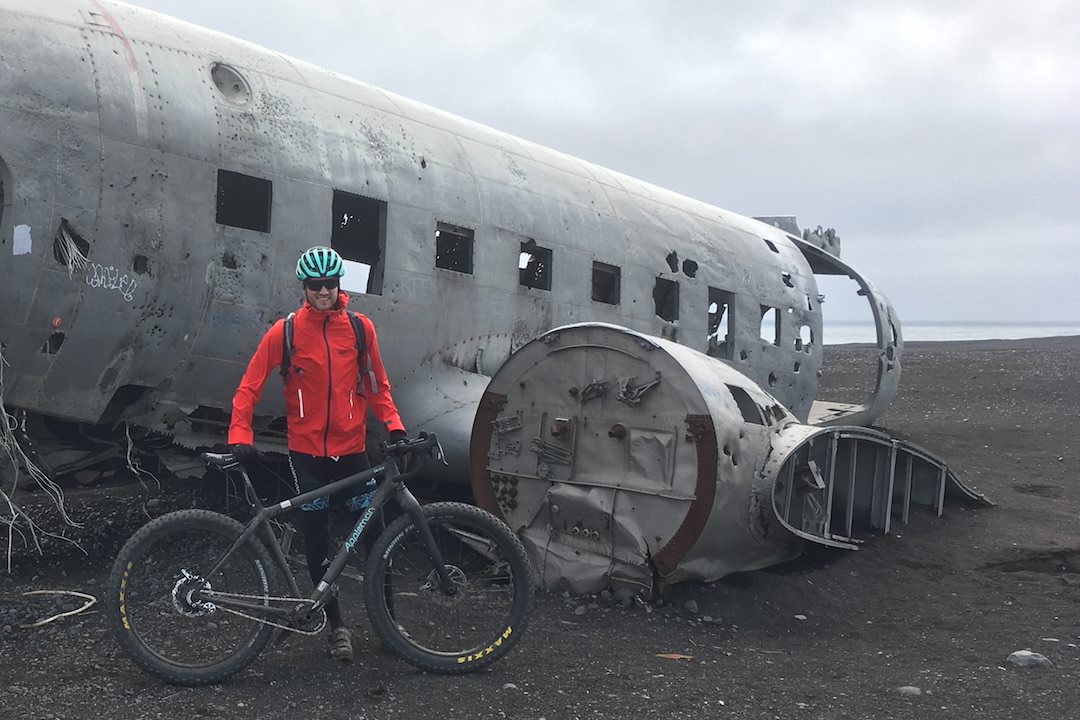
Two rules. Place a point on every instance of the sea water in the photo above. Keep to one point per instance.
(839, 333)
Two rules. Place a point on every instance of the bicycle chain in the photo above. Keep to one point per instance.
(240, 596)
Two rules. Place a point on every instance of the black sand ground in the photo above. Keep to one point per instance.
(937, 605)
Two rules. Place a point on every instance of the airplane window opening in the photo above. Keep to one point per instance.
(243, 201)
(2, 199)
(606, 283)
(534, 266)
(141, 265)
(809, 305)
(69, 248)
(771, 245)
(666, 299)
(770, 325)
(454, 248)
(673, 261)
(720, 303)
(786, 277)
(689, 268)
(52, 345)
(751, 413)
(358, 233)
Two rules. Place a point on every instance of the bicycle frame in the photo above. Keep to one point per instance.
(393, 485)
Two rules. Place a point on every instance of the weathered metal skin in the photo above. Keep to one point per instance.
(116, 122)
(623, 459)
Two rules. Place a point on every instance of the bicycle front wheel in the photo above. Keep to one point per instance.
(162, 597)
(456, 632)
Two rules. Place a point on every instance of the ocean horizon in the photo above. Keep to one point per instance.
(842, 333)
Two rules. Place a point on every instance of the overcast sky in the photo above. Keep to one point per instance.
(940, 139)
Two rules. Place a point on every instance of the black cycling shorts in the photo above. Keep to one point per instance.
(311, 473)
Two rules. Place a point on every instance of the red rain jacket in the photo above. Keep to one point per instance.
(326, 410)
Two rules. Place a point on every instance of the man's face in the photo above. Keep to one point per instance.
(321, 294)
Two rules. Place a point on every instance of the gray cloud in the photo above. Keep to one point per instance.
(939, 139)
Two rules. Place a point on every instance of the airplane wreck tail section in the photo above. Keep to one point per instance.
(829, 482)
(623, 459)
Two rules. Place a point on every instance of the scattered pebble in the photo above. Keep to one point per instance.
(909, 690)
(579, 610)
(691, 607)
(800, 618)
(509, 686)
(1027, 659)
(706, 618)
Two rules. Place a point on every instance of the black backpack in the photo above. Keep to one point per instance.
(363, 359)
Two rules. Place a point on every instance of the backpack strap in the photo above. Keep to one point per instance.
(287, 347)
(363, 358)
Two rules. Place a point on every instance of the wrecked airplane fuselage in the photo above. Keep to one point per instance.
(158, 181)
(624, 459)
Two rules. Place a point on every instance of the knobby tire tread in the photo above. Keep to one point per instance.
(389, 631)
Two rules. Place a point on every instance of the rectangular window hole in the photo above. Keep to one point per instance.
(243, 201)
(358, 233)
(720, 323)
(69, 248)
(454, 248)
(666, 299)
(606, 281)
(771, 245)
(534, 266)
(770, 325)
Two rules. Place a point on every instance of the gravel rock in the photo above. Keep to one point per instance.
(1028, 659)
(691, 607)
(909, 690)
(579, 610)
(800, 618)
(509, 686)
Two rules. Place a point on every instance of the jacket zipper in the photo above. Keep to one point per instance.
(329, 385)
(300, 397)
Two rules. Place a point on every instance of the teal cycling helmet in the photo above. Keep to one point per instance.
(319, 262)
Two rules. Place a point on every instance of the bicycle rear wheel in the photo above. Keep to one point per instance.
(157, 607)
(458, 633)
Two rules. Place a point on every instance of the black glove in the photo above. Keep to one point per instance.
(244, 453)
(396, 436)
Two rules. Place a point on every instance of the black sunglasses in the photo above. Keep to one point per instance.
(317, 285)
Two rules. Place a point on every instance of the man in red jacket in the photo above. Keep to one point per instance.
(328, 390)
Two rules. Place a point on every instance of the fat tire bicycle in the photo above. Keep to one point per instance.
(196, 594)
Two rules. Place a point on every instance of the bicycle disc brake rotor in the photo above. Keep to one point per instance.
(432, 590)
(183, 596)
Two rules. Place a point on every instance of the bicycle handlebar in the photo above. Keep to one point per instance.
(423, 441)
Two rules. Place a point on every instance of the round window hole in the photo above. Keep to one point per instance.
(230, 83)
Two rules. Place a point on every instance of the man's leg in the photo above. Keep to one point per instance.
(309, 474)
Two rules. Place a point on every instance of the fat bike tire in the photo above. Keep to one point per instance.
(469, 630)
(158, 619)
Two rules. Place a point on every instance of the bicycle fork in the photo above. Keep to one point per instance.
(412, 508)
